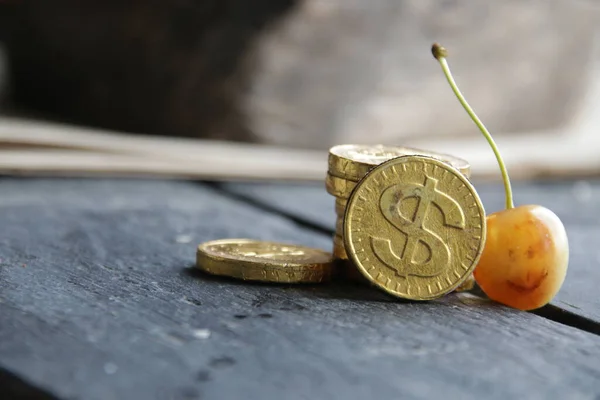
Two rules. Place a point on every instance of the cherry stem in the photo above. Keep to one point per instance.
(440, 53)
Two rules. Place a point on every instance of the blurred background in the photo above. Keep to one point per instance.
(308, 74)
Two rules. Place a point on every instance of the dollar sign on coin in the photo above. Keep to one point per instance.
(420, 241)
(415, 227)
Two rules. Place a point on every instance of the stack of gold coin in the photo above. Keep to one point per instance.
(349, 163)
(415, 227)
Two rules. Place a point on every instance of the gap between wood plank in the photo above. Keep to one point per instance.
(568, 318)
(303, 222)
(16, 388)
(550, 311)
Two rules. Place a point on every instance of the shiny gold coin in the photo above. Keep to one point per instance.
(339, 226)
(340, 206)
(415, 227)
(467, 285)
(353, 161)
(340, 252)
(339, 249)
(264, 261)
(339, 187)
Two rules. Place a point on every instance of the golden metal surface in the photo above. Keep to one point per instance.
(339, 226)
(340, 206)
(340, 253)
(467, 285)
(264, 261)
(339, 250)
(353, 161)
(415, 227)
(339, 187)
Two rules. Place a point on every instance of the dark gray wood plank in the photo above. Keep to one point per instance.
(573, 201)
(309, 201)
(98, 300)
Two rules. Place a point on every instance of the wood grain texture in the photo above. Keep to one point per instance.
(98, 300)
(573, 201)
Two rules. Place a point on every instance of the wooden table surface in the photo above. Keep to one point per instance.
(99, 299)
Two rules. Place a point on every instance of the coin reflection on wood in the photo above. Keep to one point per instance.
(264, 261)
(415, 227)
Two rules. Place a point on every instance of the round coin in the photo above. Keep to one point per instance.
(353, 161)
(339, 187)
(415, 227)
(264, 261)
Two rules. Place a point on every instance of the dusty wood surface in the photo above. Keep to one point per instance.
(573, 201)
(98, 300)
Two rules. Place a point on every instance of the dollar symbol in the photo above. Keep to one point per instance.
(418, 237)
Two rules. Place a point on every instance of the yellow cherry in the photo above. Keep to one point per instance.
(526, 253)
(525, 258)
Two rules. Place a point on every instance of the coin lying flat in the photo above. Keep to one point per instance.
(264, 261)
(339, 187)
(415, 227)
(352, 161)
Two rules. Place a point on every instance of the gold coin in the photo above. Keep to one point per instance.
(339, 187)
(264, 261)
(353, 161)
(340, 252)
(415, 227)
(339, 249)
(339, 226)
(340, 206)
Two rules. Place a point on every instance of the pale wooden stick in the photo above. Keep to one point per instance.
(82, 163)
(569, 156)
(527, 155)
(570, 153)
(179, 157)
(16, 131)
